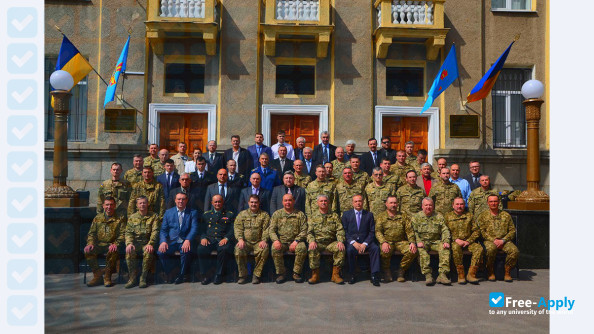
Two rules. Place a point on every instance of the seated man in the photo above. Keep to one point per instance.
(325, 232)
(288, 232)
(178, 230)
(251, 231)
(142, 232)
(359, 227)
(498, 231)
(105, 236)
(393, 231)
(216, 234)
(431, 233)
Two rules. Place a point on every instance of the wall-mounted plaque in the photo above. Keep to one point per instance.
(120, 120)
(464, 126)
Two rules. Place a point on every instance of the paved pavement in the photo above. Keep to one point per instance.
(290, 307)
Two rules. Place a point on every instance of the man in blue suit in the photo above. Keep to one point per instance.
(178, 230)
(169, 179)
(257, 149)
(270, 178)
(359, 227)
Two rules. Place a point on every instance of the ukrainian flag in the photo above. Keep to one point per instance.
(484, 86)
(71, 61)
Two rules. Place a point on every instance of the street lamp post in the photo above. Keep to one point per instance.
(59, 194)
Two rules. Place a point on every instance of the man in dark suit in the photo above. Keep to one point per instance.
(240, 155)
(254, 189)
(178, 230)
(201, 179)
(386, 151)
(169, 179)
(258, 148)
(282, 163)
(195, 202)
(359, 227)
(371, 159)
(324, 152)
(235, 180)
(288, 186)
(300, 141)
(230, 195)
(309, 163)
(214, 160)
(475, 175)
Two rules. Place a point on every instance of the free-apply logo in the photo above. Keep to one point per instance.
(498, 299)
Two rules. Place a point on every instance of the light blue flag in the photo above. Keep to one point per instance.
(113, 82)
(447, 74)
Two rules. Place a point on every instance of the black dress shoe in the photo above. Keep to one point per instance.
(205, 281)
(353, 279)
(375, 279)
(217, 280)
(179, 280)
(230, 279)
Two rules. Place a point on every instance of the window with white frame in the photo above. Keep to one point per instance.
(511, 4)
(77, 117)
(509, 114)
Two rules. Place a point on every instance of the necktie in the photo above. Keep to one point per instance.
(358, 219)
(325, 154)
(254, 191)
(374, 159)
(211, 158)
(231, 177)
(308, 166)
(259, 150)
(282, 162)
(200, 176)
(168, 179)
(222, 192)
(180, 218)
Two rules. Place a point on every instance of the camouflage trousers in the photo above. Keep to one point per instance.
(147, 258)
(110, 260)
(279, 261)
(509, 248)
(474, 248)
(241, 257)
(407, 256)
(332, 247)
(425, 259)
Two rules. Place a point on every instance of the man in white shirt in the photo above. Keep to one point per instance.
(280, 137)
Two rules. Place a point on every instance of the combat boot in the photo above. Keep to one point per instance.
(400, 277)
(443, 279)
(507, 276)
(491, 273)
(241, 280)
(387, 276)
(336, 275)
(142, 284)
(461, 278)
(429, 280)
(280, 279)
(298, 278)
(471, 277)
(315, 276)
(132, 280)
(96, 278)
(107, 277)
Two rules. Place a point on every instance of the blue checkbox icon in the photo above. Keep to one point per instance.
(22, 22)
(22, 94)
(22, 274)
(22, 58)
(21, 238)
(22, 202)
(22, 310)
(496, 299)
(21, 131)
(22, 166)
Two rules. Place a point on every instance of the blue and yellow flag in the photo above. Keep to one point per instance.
(113, 82)
(446, 75)
(71, 61)
(484, 86)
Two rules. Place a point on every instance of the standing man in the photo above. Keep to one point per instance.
(370, 159)
(386, 151)
(118, 189)
(359, 227)
(477, 201)
(461, 183)
(324, 152)
(280, 137)
(214, 160)
(281, 164)
(105, 236)
(241, 156)
(257, 149)
(310, 163)
(387, 176)
(230, 195)
(421, 157)
(134, 174)
(444, 192)
(432, 234)
(195, 201)
(325, 232)
(393, 231)
(409, 148)
(475, 174)
(270, 177)
(299, 149)
(152, 190)
(378, 192)
(339, 163)
(320, 186)
(235, 180)
(254, 189)
(142, 235)
(288, 187)
(359, 175)
(170, 179)
(288, 232)
(251, 231)
(178, 230)
(159, 166)
(465, 233)
(349, 149)
(400, 168)
(346, 189)
(441, 163)
(498, 231)
(302, 178)
(201, 179)
(330, 172)
(410, 196)
(426, 181)
(180, 158)
(153, 156)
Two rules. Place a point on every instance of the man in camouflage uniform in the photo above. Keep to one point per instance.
(339, 163)
(325, 232)
(441, 163)
(400, 168)
(318, 187)
(432, 234)
(444, 192)
(330, 172)
(105, 236)
(465, 233)
(498, 231)
(393, 231)
(410, 195)
(152, 190)
(251, 231)
(477, 201)
(359, 176)
(409, 147)
(346, 189)
(159, 166)
(416, 165)
(134, 174)
(117, 188)
(181, 158)
(301, 177)
(288, 232)
(153, 156)
(142, 235)
(378, 192)
(388, 177)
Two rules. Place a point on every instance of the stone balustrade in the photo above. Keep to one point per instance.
(297, 10)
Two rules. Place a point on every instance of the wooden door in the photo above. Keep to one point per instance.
(296, 126)
(189, 128)
(402, 129)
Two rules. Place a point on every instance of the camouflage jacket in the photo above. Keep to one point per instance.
(158, 168)
(432, 228)
(316, 188)
(288, 227)
(393, 229)
(252, 227)
(345, 195)
(377, 196)
(410, 199)
(400, 173)
(411, 158)
(302, 180)
(133, 176)
(443, 196)
(120, 190)
(338, 167)
(477, 200)
(325, 228)
(143, 230)
(361, 178)
(105, 231)
(156, 198)
(462, 226)
(500, 226)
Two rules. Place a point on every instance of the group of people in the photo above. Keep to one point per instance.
(265, 201)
